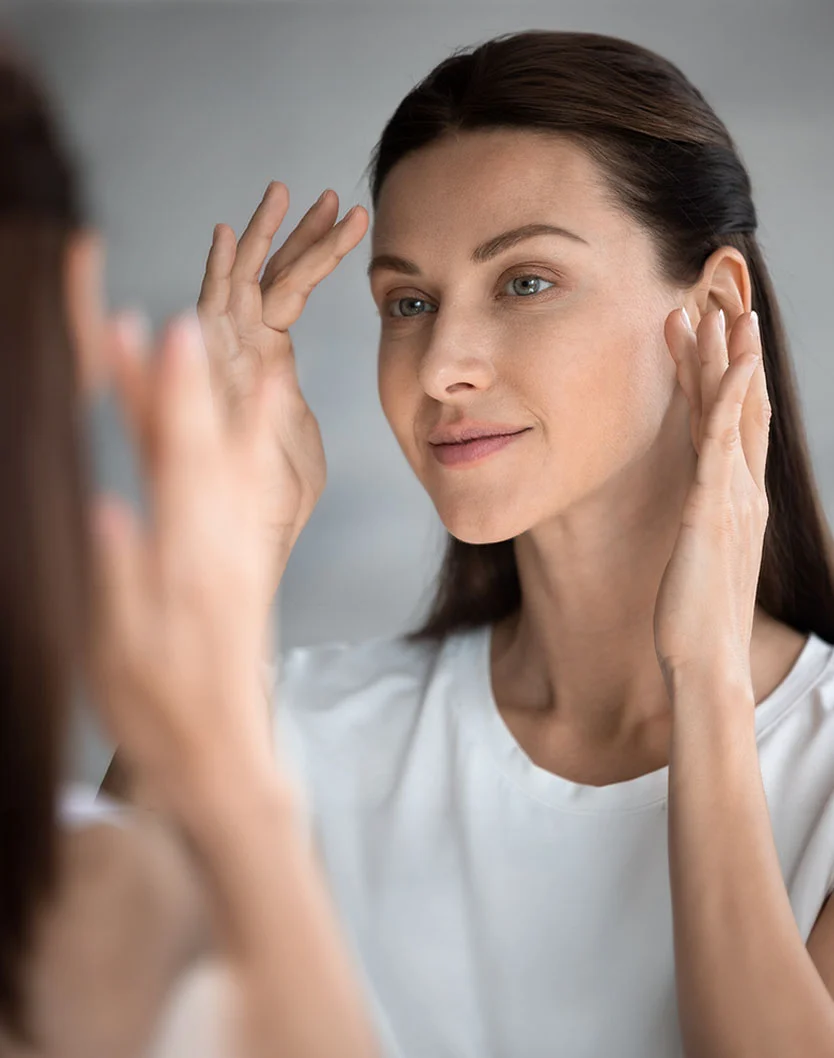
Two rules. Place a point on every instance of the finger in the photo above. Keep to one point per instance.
(721, 443)
(713, 358)
(256, 240)
(217, 279)
(128, 354)
(680, 337)
(213, 311)
(183, 382)
(315, 223)
(756, 415)
(118, 577)
(284, 302)
(222, 343)
(187, 426)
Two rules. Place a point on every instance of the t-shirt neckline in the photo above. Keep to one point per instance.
(487, 726)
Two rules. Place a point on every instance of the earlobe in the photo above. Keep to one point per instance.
(84, 302)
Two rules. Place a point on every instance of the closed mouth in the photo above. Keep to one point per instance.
(478, 437)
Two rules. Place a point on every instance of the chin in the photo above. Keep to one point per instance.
(493, 526)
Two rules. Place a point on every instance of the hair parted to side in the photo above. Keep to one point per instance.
(43, 541)
(672, 165)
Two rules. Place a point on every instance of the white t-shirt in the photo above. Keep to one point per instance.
(498, 910)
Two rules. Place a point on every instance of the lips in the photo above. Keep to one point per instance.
(461, 433)
(463, 453)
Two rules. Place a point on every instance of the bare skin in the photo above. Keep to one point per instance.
(125, 887)
(627, 754)
(593, 498)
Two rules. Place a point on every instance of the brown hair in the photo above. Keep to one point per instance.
(43, 542)
(674, 168)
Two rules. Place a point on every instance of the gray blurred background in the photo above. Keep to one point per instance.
(182, 112)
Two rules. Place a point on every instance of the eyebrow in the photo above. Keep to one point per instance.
(485, 252)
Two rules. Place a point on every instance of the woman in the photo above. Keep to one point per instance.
(103, 914)
(587, 808)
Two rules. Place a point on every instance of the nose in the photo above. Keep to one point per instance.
(457, 357)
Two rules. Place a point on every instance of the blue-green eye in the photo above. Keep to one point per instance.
(410, 307)
(521, 285)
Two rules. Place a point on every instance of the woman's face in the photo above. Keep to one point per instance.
(559, 335)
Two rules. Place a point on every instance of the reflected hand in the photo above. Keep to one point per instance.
(181, 603)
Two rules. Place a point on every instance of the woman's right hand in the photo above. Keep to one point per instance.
(245, 312)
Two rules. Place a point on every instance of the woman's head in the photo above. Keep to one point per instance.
(46, 285)
(564, 335)
(537, 327)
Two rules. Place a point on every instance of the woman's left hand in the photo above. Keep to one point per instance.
(707, 597)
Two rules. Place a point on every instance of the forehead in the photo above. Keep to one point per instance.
(472, 184)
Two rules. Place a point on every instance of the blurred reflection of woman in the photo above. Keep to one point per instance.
(109, 918)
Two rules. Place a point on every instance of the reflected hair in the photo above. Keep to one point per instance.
(43, 542)
(672, 166)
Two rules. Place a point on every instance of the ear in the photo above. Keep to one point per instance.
(724, 284)
(84, 300)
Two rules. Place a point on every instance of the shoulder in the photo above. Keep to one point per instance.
(128, 916)
(795, 726)
(797, 704)
(795, 738)
(346, 714)
(361, 676)
(135, 861)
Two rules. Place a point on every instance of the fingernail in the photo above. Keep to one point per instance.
(686, 319)
(349, 213)
(322, 197)
(754, 316)
(722, 323)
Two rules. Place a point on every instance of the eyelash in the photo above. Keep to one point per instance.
(512, 279)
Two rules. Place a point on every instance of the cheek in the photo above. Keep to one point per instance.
(605, 387)
(395, 385)
(632, 390)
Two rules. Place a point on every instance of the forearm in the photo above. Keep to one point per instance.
(301, 995)
(746, 984)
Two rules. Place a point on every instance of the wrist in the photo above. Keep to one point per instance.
(712, 719)
(703, 687)
(230, 772)
(227, 808)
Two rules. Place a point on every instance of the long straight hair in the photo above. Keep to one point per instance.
(673, 167)
(43, 541)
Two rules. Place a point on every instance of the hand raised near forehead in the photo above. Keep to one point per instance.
(246, 307)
